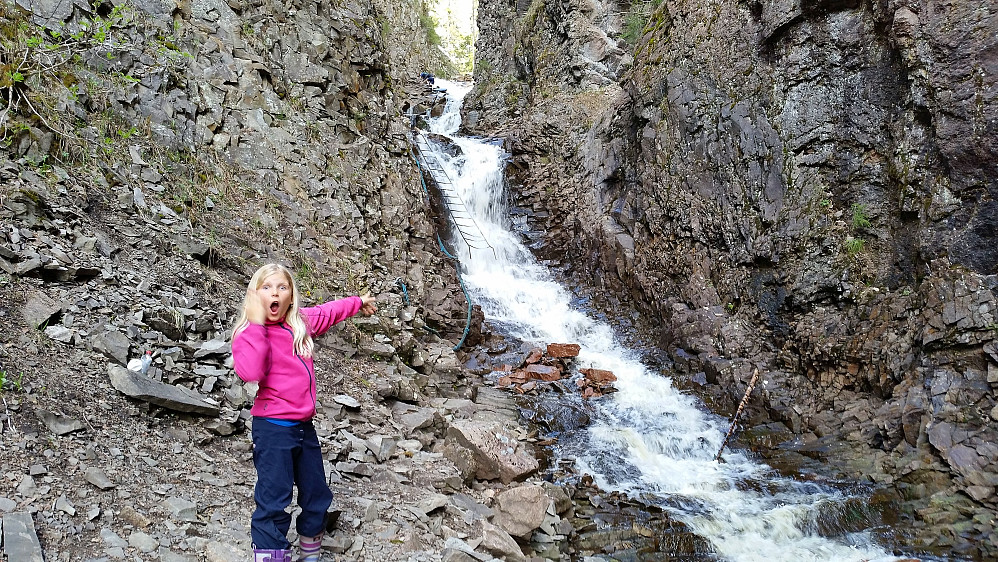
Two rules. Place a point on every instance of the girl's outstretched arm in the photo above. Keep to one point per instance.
(326, 315)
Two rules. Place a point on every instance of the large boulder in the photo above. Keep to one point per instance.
(487, 451)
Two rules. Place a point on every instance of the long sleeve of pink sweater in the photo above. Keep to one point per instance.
(265, 354)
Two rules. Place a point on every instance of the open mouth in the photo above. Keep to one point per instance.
(274, 307)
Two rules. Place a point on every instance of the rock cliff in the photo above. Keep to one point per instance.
(154, 155)
(809, 188)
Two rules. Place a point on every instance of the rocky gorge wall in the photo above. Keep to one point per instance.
(154, 154)
(227, 133)
(807, 188)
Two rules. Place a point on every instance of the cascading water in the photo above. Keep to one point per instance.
(647, 440)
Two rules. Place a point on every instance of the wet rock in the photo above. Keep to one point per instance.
(563, 350)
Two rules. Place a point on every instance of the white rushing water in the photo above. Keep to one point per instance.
(648, 439)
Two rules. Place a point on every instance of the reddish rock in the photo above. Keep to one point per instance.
(558, 350)
(543, 372)
(534, 356)
(598, 376)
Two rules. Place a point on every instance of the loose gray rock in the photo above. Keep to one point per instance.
(165, 395)
(59, 333)
(224, 552)
(383, 447)
(522, 509)
(142, 541)
(181, 509)
(347, 401)
(494, 451)
(20, 541)
(213, 347)
(58, 423)
(64, 505)
(39, 310)
(98, 478)
(500, 543)
(112, 344)
(7, 505)
(112, 539)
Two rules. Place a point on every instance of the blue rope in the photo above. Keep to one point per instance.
(421, 179)
(467, 324)
(405, 291)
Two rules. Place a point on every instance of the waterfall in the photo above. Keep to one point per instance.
(648, 440)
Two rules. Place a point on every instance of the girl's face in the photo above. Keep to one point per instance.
(275, 295)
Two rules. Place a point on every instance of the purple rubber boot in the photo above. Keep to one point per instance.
(260, 555)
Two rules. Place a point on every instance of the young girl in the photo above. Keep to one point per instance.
(272, 346)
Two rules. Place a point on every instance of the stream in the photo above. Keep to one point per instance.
(648, 440)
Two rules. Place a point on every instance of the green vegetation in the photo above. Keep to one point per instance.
(530, 17)
(854, 246)
(449, 28)
(38, 65)
(636, 19)
(860, 216)
(6, 382)
(859, 221)
(429, 25)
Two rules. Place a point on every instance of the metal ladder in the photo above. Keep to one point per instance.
(469, 230)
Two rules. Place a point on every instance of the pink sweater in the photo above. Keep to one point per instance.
(265, 354)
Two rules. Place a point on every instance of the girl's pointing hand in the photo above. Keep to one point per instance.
(368, 308)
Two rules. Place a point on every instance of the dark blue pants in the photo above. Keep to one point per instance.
(286, 457)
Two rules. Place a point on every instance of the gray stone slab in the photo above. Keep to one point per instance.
(20, 542)
(165, 395)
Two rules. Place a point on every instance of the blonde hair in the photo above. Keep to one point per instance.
(294, 318)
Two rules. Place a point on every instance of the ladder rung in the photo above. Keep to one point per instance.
(465, 222)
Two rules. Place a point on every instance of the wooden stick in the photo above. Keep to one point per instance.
(738, 412)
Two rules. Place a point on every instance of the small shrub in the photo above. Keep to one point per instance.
(860, 216)
(634, 24)
(854, 246)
